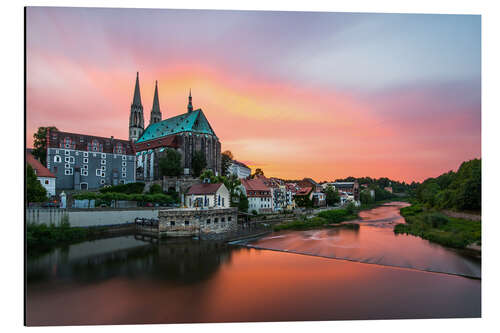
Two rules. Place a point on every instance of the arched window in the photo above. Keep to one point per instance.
(118, 148)
(57, 159)
(94, 146)
(67, 142)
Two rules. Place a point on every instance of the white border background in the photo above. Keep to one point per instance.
(12, 115)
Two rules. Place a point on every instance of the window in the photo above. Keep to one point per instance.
(124, 158)
(102, 181)
(103, 161)
(103, 174)
(85, 172)
(124, 164)
(186, 222)
(76, 153)
(67, 166)
(103, 168)
(223, 202)
(85, 154)
(229, 219)
(57, 151)
(172, 223)
(216, 220)
(57, 159)
(98, 172)
(85, 160)
(208, 221)
(46, 182)
(68, 172)
(124, 175)
(66, 152)
(124, 169)
(223, 219)
(103, 155)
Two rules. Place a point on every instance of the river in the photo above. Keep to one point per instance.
(328, 274)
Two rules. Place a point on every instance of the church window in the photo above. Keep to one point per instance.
(118, 148)
(57, 159)
(68, 143)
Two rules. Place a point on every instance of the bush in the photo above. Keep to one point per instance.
(155, 188)
(130, 188)
(336, 215)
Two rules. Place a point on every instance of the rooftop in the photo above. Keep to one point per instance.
(40, 170)
(204, 188)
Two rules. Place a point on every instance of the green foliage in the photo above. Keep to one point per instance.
(43, 237)
(226, 159)
(332, 196)
(170, 165)
(198, 163)
(243, 203)
(108, 197)
(460, 190)
(258, 172)
(337, 215)
(438, 228)
(303, 201)
(129, 188)
(35, 192)
(40, 144)
(365, 197)
(155, 188)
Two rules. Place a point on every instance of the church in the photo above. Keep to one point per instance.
(186, 133)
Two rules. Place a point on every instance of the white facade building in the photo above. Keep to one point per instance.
(239, 169)
(208, 196)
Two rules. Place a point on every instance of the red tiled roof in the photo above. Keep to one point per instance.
(40, 170)
(304, 191)
(56, 139)
(204, 188)
(256, 188)
(170, 141)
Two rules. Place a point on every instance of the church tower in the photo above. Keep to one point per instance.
(155, 110)
(190, 104)
(136, 122)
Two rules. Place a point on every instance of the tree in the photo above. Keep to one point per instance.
(243, 203)
(226, 160)
(155, 189)
(258, 172)
(198, 163)
(40, 144)
(332, 196)
(231, 182)
(35, 192)
(170, 165)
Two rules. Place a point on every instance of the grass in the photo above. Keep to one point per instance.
(324, 219)
(42, 237)
(439, 228)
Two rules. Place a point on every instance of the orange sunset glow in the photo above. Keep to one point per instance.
(326, 101)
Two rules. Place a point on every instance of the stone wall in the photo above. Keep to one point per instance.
(88, 217)
(193, 222)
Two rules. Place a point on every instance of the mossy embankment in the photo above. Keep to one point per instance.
(324, 219)
(438, 228)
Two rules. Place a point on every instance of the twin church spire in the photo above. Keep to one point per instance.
(136, 122)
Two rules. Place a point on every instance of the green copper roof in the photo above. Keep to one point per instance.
(194, 121)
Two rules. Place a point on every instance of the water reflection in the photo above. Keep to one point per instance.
(182, 261)
(126, 280)
(375, 243)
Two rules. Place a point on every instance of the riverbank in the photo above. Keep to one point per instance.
(439, 228)
(41, 238)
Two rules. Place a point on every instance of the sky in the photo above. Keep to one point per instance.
(297, 94)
